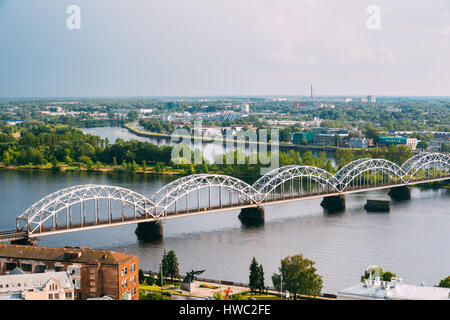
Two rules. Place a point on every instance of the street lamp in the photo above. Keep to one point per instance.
(281, 282)
(220, 280)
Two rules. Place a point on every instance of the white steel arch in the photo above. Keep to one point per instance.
(49, 207)
(423, 160)
(269, 182)
(345, 176)
(182, 187)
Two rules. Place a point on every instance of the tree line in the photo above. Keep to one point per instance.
(40, 144)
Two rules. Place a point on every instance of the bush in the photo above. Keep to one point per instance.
(143, 295)
(218, 296)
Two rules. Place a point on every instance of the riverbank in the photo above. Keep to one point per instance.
(151, 170)
(103, 169)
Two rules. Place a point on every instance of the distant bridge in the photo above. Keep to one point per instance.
(87, 207)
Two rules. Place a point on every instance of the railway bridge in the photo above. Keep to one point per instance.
(85, 207)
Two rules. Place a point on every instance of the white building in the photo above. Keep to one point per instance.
(50, 285)
(245, 108)
(375, 289)
(412, 143)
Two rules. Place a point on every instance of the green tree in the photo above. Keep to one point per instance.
(308, 159)
(343, 157)
(261, 279)
(170, 265)
(445, 283)
(68, 159)
(144, 166)
(141, 276)
(298, 276)
(55, 166)
(86, 161)
(254, 276)
(423, 145)
(321, 160)
(329, 167)
(7, 158)
(387, 276)
(133, 115)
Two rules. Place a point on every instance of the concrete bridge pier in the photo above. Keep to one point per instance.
(252, 217)
(374, 205)
(400, 193)
(334, 203)
(25, 242)
(150, 231)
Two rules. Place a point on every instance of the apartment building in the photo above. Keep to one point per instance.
(94, 273)
(50, 285)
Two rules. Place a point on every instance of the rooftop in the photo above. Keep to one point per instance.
(394, 290)
(35, 281)
(76, 255)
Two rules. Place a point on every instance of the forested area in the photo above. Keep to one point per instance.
(41, 144)
(62, 145)
(156, 125)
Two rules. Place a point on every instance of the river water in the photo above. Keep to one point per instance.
(413, 240)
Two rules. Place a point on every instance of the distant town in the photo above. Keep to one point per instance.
(344, 122)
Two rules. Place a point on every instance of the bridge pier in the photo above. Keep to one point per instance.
(25, 242)
(252, 217)
(334, 203)
(400, 193)
(373, 205)
(150, 231)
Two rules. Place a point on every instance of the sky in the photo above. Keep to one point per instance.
(224, 47)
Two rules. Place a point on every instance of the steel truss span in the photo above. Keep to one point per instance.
(90, 205)
(58, 207)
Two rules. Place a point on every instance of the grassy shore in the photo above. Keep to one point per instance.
(63, 167)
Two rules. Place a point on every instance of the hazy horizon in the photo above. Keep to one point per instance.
(243, 96)
(216, 48)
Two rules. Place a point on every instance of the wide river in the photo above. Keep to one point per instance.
(413, 240)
